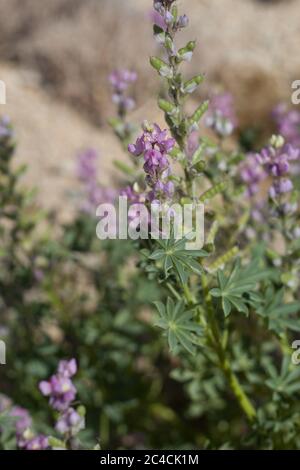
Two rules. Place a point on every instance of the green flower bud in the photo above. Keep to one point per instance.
(191, 85)
(199, 113)
(167, 107)
(162, 68)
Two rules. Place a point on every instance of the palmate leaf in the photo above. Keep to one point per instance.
(179, 325)
(286, 381)
(242, 280)
(175, 257)
(279, 315)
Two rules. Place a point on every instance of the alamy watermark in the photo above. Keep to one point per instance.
(2, 92)
(2, 353)
(296, 353)
(157, 221)
(296, 93)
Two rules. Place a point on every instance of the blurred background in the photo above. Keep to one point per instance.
(55, 58)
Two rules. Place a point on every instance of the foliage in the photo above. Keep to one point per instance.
(211, 365)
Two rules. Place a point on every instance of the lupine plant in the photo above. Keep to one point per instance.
(168, 347)
(231, 310)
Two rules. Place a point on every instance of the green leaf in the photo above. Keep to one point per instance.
(241, 281)
(286, 381)
(179, 325)
(279, 315)
(175, 258)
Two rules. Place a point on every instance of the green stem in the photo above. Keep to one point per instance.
(224, 363)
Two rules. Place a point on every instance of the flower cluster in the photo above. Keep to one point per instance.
(154, 144)
(87, 166)
(221, 115)
(288, 124)
(120, 81)
(60, 388)
(276, 159)
(252, 173)
(62, 393)
(87, 174)
(25, 438)
(70, 422)
(167, 18)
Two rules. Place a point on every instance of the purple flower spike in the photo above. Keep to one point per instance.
(155, 144)
(120, 81)
(221, 115)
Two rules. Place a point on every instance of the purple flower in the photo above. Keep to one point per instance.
(288, 124)
(120, 81)
(157, 19)
(87, 173)
(23, 421)
(155, 144)
(67, 368)
(252, 173)
(25, 437)
(70, 422)
(281, 186)
(153, 138)
(277, 160)
(133, 196)
(6, 131)
(221, 116)
(87, 166)
(164, 17)
(39, 442)
(59, 388)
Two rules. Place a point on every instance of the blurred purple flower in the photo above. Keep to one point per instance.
(252, 173)
(59, 387)
(288, 123)
(23, 420)
(70, 422)
(120, 81)
(6, 131)
(87, 166)
(164, 17)
(276, 159)
(39, 442)
(221, 116)
(157, 19)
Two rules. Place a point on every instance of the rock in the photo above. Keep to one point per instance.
(249, 47)
(49, 136)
